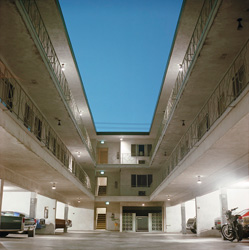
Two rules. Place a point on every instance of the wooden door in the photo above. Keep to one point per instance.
(103, 156)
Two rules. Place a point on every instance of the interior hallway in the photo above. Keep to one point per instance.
(84, 240)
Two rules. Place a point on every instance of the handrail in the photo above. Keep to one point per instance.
(235, 80)
(39, 27)
(14, 98)
(201, 27)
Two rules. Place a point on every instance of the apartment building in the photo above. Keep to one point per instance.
(125, 181)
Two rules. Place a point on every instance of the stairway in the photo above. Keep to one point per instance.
(101, 221)
(102, 190)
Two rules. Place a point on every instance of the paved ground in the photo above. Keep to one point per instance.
(96, 240)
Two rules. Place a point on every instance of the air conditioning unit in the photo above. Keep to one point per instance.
(142, 193)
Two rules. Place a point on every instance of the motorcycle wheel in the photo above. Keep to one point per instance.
(227, 233)
(239, 232)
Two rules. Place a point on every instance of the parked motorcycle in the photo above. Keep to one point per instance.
(232, 229)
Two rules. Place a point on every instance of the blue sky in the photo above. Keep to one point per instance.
(121, 48)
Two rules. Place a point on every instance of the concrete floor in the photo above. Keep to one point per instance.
(95, 240)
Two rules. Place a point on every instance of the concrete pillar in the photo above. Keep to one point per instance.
(223, 205)
(33, 205)
(1, 197)
(164, 218)
(121, 218)
(134, 222)
(66, 216)
(183, 215)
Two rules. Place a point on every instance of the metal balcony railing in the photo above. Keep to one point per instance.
(32, 12)
(196, 40)
(14, 98)
(235, 80)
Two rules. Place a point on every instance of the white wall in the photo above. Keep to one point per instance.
(113, 208)
(190, 209)
(16, 201)
(238, 198)
(43, 202)
(60, 210)
(113, 149)
(82, 218)
(112, 177)
(173, 219)
(208, 208)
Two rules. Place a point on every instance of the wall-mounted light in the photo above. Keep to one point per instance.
(239, 24)
(78, 154)
(180, 67)
(63, 67)
(168, 198)
(102, 172)
(102, 142)
(107, 203)
(53, 186)
(199, 179)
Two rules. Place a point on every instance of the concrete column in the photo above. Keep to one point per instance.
(223, 205)
(1, 197)
(164, 218)
(150, 222)
(134, 228)
(66, 216)
(183, 215)
(121, 218)
(33, 205)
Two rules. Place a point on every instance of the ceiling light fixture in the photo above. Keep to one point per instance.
(143, 204)
(78, 154)
(53, 186)
(102, 172)
(63, 67)
(121, 139)
(102, 142)
(168, 198)
(180, 67)
(81, 113)
(107, 203)
(79, 200)
(199, 179)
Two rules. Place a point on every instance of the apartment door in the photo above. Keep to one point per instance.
(142, 223)
(103, 156)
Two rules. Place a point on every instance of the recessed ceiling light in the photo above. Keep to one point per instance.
(102, 172)
(102, 142)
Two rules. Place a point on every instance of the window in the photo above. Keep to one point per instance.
(8, 94)
(28, 116)
(38, 128)
(141, 149)
(141, 180)
(239, 81)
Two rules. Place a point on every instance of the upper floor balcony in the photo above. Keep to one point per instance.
(20, 107)
(216, 143)
(42, 68)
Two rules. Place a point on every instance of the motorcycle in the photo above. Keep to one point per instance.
(232, 229)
